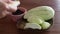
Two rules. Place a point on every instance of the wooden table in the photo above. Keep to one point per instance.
(7, 26)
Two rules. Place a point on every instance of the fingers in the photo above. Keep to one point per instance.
(13, 6)
(3, 6)
(9, 7)
(6, 1)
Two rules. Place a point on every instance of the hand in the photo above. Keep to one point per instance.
(7, 6)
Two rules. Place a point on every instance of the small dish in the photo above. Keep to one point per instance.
(15, 16)
(21, 23)
(18, 18)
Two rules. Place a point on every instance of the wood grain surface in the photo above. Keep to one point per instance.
(7, 26)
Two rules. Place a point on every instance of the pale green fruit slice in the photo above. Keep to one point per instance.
(32, 26)
(45, 12)
(35, 19)
(45, 25)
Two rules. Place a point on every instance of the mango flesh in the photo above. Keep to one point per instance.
(35, 19)
(45, 25)
(38, 15)
(32, 26)
(45, 12)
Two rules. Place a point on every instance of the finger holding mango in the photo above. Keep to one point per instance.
(7, 6)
